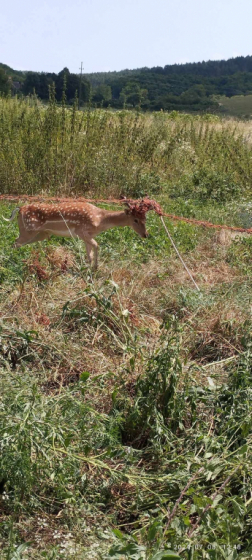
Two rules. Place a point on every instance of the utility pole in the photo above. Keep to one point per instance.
(80, 85)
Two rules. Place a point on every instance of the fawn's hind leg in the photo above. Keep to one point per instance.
(30, 237)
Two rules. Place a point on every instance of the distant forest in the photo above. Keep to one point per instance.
(183, 87)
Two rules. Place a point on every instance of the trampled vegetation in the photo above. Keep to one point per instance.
(125, 407)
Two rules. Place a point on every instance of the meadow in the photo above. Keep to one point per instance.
(239, 106)
(126, 395)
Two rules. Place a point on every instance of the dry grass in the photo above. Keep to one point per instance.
(67, 344)
(146, 295)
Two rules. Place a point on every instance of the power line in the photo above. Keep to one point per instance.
(80, 84)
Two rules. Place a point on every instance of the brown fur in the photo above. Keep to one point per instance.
(73, 219)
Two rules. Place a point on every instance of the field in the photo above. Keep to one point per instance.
(239, 106)
(126, 395)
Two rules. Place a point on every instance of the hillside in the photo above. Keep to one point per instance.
(191, 87)
(17, 75)
(188, 87)
(213, 68)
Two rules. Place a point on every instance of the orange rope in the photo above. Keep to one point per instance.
(139, 206)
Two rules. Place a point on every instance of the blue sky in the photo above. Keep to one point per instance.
(47, 35)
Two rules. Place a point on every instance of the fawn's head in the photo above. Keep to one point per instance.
(137, 222)
(138, 209)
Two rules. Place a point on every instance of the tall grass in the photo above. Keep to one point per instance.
(65, 151)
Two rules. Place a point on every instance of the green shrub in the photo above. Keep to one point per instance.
(59, 150)
(207, 184)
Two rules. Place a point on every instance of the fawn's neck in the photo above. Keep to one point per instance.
(113, 219)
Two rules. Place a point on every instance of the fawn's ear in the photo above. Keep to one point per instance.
(127, 211)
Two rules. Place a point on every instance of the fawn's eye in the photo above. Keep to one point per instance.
(136, 221)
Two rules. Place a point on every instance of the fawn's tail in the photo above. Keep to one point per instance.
(12, 217)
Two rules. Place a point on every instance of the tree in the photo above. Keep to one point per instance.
(40, 82)
(32, 83)
(102, 93)
(5, 82)
(72, 85)
(133, 94)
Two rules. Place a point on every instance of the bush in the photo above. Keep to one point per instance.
(60, 150)
(208, 184)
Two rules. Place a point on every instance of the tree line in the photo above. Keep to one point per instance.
(185, 87)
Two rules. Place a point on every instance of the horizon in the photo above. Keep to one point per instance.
(109, 36)
(130, 69)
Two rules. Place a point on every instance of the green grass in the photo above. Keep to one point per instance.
(239, 106)
(115, 244)
(86, 454)
(104, 153)
(125, 395)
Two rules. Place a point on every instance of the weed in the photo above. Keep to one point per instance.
(65, 151)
